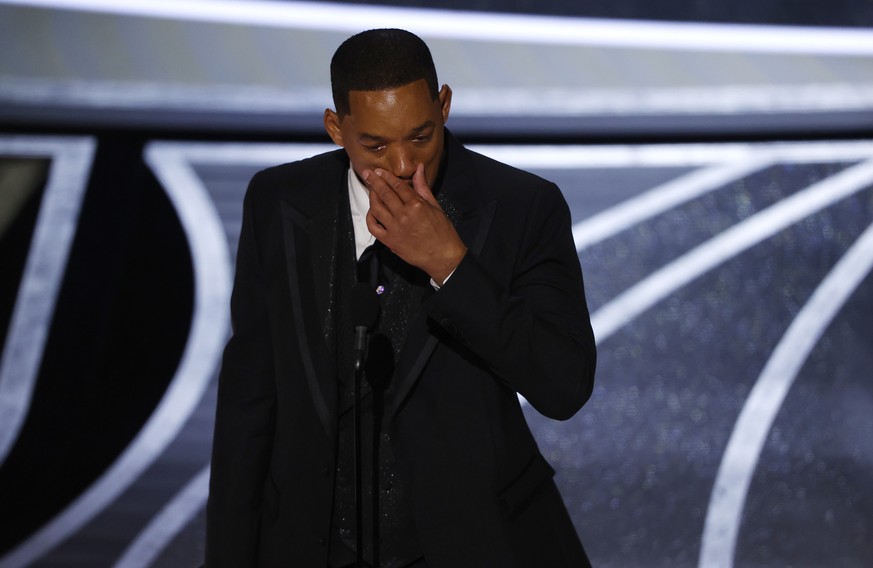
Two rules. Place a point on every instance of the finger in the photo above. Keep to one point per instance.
(419, 185)
(380, 186)
(399, 186)
(376, 228)
(380, 212)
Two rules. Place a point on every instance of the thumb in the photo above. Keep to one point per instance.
(419, 184)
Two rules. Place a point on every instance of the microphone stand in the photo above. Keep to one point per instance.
(360, 358)
(365, 313)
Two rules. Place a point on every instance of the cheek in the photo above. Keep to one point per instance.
(361, 161)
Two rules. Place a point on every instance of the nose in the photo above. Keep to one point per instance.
(402, 163)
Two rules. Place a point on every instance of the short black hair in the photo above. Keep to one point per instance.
(376, 60)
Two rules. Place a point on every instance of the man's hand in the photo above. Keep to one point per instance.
(410, 222)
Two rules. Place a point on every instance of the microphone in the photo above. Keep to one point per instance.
(365, 312)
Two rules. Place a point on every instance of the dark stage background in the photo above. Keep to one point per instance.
(718, 162)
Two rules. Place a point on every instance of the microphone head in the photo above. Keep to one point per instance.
(365, 306)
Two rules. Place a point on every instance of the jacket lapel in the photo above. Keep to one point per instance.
(310, 222)
(472, 211)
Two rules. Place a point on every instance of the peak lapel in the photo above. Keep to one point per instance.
(310, 235)
(472, 211)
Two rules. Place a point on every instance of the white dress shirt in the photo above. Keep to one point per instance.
(359, 201)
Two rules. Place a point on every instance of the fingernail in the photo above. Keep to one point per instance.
(366, 176)
(379, 172)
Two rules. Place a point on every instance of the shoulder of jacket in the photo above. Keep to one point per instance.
(510, 181)
(307, 168)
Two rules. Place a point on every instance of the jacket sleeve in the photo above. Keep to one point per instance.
(244, 413)
(530, 326)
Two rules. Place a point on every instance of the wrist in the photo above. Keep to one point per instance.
(441, 272)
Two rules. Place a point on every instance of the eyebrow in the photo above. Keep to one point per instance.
(418, 129)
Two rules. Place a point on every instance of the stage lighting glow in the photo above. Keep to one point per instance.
(490, 27)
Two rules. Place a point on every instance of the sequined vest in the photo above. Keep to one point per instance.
(389, 532)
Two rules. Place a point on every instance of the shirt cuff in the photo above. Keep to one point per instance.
(438, 286)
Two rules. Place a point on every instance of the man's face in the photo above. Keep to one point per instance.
(395, 129)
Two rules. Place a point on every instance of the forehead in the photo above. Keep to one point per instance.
(408, 106)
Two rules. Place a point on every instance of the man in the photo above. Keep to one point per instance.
(481, 298)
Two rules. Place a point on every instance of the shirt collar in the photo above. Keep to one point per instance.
(359, 203)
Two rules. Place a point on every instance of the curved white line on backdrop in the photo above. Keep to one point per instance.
(727, 244)
(491, 27)
(736, 161)
(718, 165)
(561, 102)
(209, 327)
(43, 273)
(723, 99)
(660, 199)
(254, 154)
(164, 526)
(744, 448)
(548, 156)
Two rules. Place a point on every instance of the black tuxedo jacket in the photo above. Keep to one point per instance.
(512, 318)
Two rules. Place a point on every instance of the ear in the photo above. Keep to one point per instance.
(332, 126)
(445, 97)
